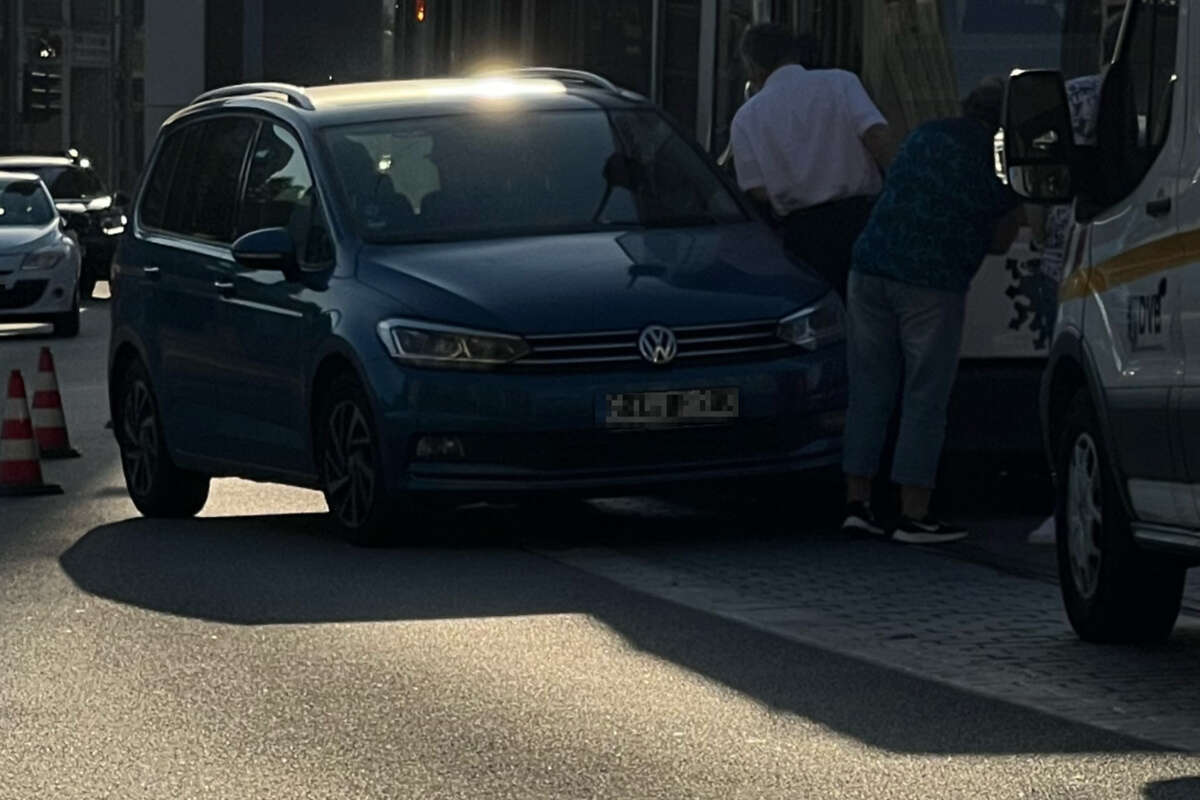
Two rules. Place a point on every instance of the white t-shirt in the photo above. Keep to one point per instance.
(800, 139)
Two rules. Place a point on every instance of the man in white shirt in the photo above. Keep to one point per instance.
(812, 146)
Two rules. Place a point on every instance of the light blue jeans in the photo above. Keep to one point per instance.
(899, 332)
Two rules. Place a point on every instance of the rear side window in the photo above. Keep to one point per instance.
(193, 190)
(209, 198)
(153, 213)
(280, 194)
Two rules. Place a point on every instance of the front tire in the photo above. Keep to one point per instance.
(157, 487)
(350, 463)
(1114, 591)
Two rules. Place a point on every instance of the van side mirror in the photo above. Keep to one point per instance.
(268, 249)
(1038, 139)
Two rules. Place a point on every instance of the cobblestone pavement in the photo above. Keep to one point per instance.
(940, 614)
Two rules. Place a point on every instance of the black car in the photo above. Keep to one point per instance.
(96, 215)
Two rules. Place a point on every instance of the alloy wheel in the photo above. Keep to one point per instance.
(140, 433)
(348, 465)
(1085, 516)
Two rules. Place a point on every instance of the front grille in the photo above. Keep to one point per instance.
(698, 344)
(25, 293)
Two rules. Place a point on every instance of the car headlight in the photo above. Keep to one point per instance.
(817, 326)
(102, 203)
(48, 258)
(429, 345)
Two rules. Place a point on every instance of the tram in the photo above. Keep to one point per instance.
(917, 59)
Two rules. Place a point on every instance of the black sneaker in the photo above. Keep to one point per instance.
(861, 519)
(927, 531)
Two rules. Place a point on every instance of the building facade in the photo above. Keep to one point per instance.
(123, 66)
(72, 77)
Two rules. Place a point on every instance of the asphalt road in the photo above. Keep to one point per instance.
(248, 654)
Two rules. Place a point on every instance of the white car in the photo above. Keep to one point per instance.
(39, 259)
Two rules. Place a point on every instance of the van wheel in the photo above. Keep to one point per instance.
(1113, 590)
(350, 460)
(157, 487)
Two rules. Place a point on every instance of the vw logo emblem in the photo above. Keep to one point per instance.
(657, 345)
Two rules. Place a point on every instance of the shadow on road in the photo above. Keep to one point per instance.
(286, 569)
(1177, 789)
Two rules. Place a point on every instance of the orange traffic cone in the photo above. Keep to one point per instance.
(20, 470)
(49, 422)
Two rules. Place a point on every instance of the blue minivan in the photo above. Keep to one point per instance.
(406, 292)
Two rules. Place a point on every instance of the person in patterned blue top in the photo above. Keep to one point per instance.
(941, 211)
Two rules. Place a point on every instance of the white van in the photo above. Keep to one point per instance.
(1121, 391)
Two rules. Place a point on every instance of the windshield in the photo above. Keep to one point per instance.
(66, 182)
(24, 203)
(483, 175)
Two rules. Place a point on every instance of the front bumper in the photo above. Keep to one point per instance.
(37, 295)
(530, 432)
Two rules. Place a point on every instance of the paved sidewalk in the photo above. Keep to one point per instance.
(921, 611)
(1006, 544)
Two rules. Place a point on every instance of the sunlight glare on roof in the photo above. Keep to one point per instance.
(485, 88)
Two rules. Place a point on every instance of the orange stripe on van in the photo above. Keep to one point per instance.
(1149, 259)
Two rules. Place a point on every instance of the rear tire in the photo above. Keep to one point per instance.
(157, 487)
(1114, 591)
(350, 464)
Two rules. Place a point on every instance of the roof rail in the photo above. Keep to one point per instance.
(557, 74)
(294, 94)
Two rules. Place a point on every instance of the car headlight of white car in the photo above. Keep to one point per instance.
(817, 326)
(431, 345)
(45, 258)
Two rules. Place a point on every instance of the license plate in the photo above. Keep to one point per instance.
(671, 407)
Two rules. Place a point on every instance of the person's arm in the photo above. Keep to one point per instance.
(1006, 231)
(1036, 217)
(881, 145)
(871, 125)
(750, 176)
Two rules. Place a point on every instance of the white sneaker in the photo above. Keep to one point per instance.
(861, 519)
(927, 531)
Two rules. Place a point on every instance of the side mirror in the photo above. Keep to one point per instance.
(1038, 138)
(267, 249)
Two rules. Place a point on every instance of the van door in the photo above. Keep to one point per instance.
(263, 384)
(1189, 275)
(1134, 327)
(192, 253)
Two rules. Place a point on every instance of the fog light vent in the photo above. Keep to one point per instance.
(440, 448)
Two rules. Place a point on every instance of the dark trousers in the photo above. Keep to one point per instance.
(823, 237)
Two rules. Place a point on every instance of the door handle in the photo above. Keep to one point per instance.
(151, 273)
(1159, 208)
(225, 288)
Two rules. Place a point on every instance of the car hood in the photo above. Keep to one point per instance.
(26, 237)
(595, 281)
